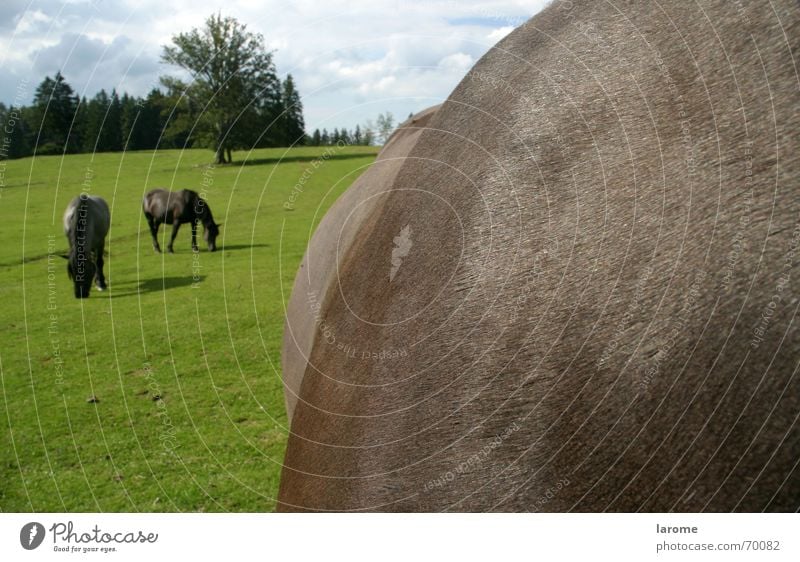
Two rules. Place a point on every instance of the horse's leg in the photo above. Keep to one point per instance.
(151, 221)
(175, 226)
(100, 278)
(194, 236)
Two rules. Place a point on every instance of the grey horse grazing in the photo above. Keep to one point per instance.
(86, 223)
(177, 208)
(575, 288)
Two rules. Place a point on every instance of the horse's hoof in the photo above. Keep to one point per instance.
(170, 250)
(103, 288)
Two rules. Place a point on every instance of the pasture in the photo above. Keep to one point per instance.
(163, 393)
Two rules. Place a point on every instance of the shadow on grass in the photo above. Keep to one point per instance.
(157, 284)
(29, 259)
(228, 247)
(300, 158)
(220, 248)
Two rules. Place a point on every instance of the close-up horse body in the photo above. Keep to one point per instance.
(570, 287)
(162, 206)
(86, 221)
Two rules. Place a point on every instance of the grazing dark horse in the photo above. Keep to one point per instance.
(177, 208)
(86, 223)
(575, 287)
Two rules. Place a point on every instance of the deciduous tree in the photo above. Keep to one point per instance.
(233, 78)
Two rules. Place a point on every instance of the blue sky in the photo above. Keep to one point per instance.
(351, 59)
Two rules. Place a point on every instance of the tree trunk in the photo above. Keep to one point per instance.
(230, 159)
(220, 152)
(219, 156)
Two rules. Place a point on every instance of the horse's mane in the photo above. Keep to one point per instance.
(207, 212)
(199, 204)
(190, 197)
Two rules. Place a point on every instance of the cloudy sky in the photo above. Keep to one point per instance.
(352, 59)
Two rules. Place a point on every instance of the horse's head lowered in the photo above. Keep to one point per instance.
(210, 236)
(210, 228)
(81, 271)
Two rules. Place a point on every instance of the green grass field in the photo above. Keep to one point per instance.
(201, 331)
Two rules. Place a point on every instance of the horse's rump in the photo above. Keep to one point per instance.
(578, 288)
(96, 212)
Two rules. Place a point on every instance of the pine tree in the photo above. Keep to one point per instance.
(129, 122)
(15, 134)
(55, 104)
(150, 119)
(357, 136)
(293, 122)
(77, 135)
(4, 145)
(316, 138)
(95, 117)
(112, 128)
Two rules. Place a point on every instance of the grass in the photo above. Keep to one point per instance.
(182, 353)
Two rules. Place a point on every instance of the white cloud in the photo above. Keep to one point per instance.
(351, 60)
(499, 33)
(382, 86)
(457, 62)
(91, 63)
(30, 21)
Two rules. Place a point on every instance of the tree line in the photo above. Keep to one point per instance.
(58, 121)
(372, 133)
(233, 101)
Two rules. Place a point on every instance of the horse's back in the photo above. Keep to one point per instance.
(164, 204)
(154, 202)
(578, 291)
(103, 213)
